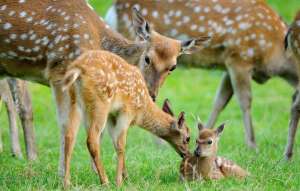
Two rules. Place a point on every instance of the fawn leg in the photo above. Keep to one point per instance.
(119, 135)
(69, 119)
(294, 120)
(222, 98)
(12, 116)
(95, 121)
(22, 99)
(240, 75)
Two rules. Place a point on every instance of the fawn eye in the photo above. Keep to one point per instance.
(172, 68)
(209, 142)
(147, 60)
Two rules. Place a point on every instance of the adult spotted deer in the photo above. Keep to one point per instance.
(113, 93)
(14, 93)
(39, 37)
(205, 164)
(293, 47)
(246, 42)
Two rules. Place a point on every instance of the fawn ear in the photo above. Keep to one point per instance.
(220, 129)
(181, 119)
(140, 25)
(200, 126)
(192, 45)
(167, 107)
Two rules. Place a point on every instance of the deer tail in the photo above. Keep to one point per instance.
(70, 77)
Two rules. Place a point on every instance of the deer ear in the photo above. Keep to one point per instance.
(167, 107)
(200, 126)
(181, 119)
(192, 45)
(140, 25)
(220, 129)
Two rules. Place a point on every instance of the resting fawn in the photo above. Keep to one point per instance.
(112, 93)
(205, 164)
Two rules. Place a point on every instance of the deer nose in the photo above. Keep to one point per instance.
(153, 97)
(197, 152)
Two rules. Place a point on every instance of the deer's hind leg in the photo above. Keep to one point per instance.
(12, 116)
(96, 113)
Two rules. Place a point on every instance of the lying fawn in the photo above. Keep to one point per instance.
(247, 43)
(112, 93)
(293, 44)
(205, 164)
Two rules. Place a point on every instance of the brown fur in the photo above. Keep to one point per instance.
(112, 93)
(247, 42)
(205, 164)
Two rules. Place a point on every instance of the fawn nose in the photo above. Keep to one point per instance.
(153, 97)
(197, 152)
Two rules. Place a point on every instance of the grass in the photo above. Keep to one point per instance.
(153, 168)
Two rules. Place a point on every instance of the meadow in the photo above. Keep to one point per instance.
(156, 168)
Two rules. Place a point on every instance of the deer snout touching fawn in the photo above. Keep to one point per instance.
(112, 93)
(205, 164)
(292, 44)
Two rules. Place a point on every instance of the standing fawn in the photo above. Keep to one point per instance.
(205, 164)
(112, 93)
(14, 93)
(39, 37)
(247, 42)
(293, 45)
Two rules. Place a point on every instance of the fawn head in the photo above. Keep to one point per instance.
(207, 142)
(160, 57)
(180, 134)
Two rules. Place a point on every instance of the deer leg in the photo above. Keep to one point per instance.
(295, 114)
(22, 99)
(95, 123)
(222, 98)
(12, 116)
(69, 119)
(241, 82)
(119, 135)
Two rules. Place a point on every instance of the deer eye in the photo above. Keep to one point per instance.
(209, 142)
(147, 60)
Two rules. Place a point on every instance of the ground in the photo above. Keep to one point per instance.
(153, 168)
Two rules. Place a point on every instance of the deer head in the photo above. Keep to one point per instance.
(180, 134)
(207, 142)
(160, 57)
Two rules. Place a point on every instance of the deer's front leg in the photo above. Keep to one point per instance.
(294, 120)
(222, 98)
(69, 119)
(240, 74)
(119, 135)
(22, 100)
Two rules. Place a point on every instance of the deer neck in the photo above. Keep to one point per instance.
(205, 165)
(129, 50)
(153, 119)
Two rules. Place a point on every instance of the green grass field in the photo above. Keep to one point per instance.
(153, 168)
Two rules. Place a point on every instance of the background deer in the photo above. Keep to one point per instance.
(113, 93)
(246, 42)
(41, 37)
(205, 164)
(14, 93)
(293, 45)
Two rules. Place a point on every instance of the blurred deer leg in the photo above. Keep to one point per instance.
(241, 81)
(295, 114)
(12, 116)
(222, 98)
(22, 99)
